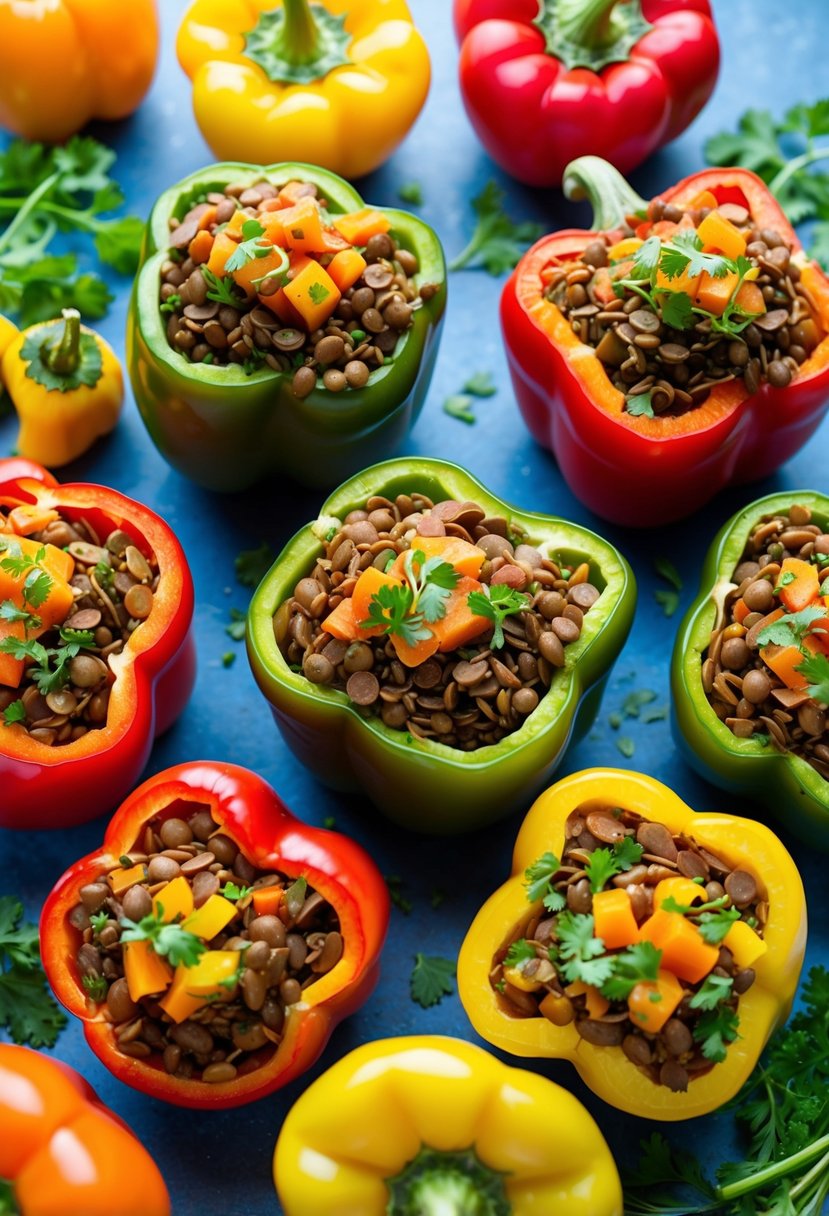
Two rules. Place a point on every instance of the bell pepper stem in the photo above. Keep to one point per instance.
(63, 355)
(591, 33)
(298, 43)
(610, 195)
(299, 32)
(447, 1184)
(591, 23)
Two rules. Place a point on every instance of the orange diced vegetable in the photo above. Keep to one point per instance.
(302, 225)
(267, 900)
(235, 224)
(705, 198)
(603, 286)
(175, 900)
(207, 217)
(784, 661)
(684, 950)
(223, 248)
(798, 584)
(717, 233)
(257, 268)
(749, 299)
(613, 918)
(29, 517)
(366, 587)
(740, 610)
(279, 303)
(201, 247)
(624, 248)
(121, 880)
(358, 226)
(53, 611)
(466, 558)
(314, 294)
(516, 978)
(460, 625)
(597, 1005)
(681, 282)
(292, 192)
(663, 228)
(744, 944)
(713, 294)
(206, 980)
(147, 973)
(652, 1002)
(211, 917)
(683, 890)
(346, 267)
(274, 231)
(413, 656)
(57, 562)
(341, 623)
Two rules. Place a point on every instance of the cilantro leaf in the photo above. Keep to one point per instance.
(390, 608)
(677, 310)
(231, 891)
(626, 746)
(222, 290)
(173, 942)
(16, 712)
(582, 956)
(790, 629)
(249, 247)
(318, 292)
(715, 1030)
(496, 604)
(252, 565)
(538, 881)
(640, 405)
(37, 586)
(460, 406)
(432, 979)
(604, 864)
(519, 952)
(714, 926)
(638, 963)
(815, 667)
(666, 569)
(715, 989)
(497, 242)
(96, 987)
(646, 259)
(97, 920)
(481, 384)
(436, 578)
(10, 612)
(27, 1009)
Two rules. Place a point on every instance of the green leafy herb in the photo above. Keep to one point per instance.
(234, 892)
(237, 626)
(27, 1010)
(249, 247)
(497, 242)
(16, 712)
(633, 702)
(715, 1030)
(10, 612)
(712, 919)
(791, 629)
(538, 881)
(519, 952)
(579, 954)
(432, 979)
(172, 303)
(635, 965)
(97, 920)
(640, 405)
(669, 600)
(171, 941)
(221, 290)
(411, 192)
(403, 609)
(228, 658)
(95, 987)
(815, 667)
(678, 310)
(604, 864)
(715, 989)
(395, 886)
(50, 666)
(36, 587)
(655, 713)
(253, 564)
(318, 292)
(626, 746)
(785, 581)
(481, 384)
(104, 574)
(496, 604)
(460, 406)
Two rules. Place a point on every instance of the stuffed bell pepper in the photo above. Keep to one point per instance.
(679, 347)
(62, 1152)
(279, 325)
(750, 671)
(214, 941)
(655, 948)
(438, 1127)
(96, 655)
(428, 643)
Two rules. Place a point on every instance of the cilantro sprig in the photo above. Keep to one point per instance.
(432, 979)
(498, 241)
(49, 665)
(604, 864)
(580, 955)
(170, 940)
(250, 247)
(221, 290)
(712, 919)
(519, 952)
(638, 964)
(496, 604)
(538, 882)
(792, 630)
(27, 1010)
(405, 609)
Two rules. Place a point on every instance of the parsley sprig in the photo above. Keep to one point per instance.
(250, 247)
(604, 864)
(712, 919)
(539, 882)
(792, 630)
(496, 604)
(432, 979)
(405, 609)
(580, 955)
(221, 290)
(498, 241)
(519, 952)
(176, 944)
(50, 665)
(27, 1010)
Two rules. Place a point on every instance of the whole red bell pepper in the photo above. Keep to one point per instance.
(544, 81)
(62, 1152)
(636, 470)
(59, 786)
(252, 815)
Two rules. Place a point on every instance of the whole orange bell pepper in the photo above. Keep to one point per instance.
(65, 62)
(62, 1152)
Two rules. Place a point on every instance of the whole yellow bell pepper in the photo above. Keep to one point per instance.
(64, 62)
(430, 1126)
(607, 1070)
(66, 384)
(337, 83)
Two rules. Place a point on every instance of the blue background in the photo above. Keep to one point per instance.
(773, 56)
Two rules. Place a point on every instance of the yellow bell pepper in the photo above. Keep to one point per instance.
(437, 1126)
(63, 62)
(66, 384)
(337, 83)
(607, 1070)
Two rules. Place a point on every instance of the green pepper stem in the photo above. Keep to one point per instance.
(298, 43)
(611, 197)
(63, 355)
(447, 1184)
(298, 40)
(591, 33)
(591, 23)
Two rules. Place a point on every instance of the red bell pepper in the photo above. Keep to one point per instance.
(635, 470)
(544, 81)
(272, 839)
(62, 1152)
(59, 786)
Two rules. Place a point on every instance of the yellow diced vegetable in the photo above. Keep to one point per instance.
(211, 918)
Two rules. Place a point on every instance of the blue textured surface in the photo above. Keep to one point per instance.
(773, 55)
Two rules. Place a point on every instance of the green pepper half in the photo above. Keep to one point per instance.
(419, 783)
(225, 429)
(788, 786)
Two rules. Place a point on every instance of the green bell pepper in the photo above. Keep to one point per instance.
(226, 429)
(788, 786)
(419, 783)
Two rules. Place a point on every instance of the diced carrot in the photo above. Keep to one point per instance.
(624, 248)
(664, 228)
(29, 517)
(213, 916)
(798, 584)
(55, 561)
(302, 225)
(341, 623)
(223, 248)
(749, 299)
(201, 247)
(366, 587)
(333, 241)
(613, 918)
(54, 609)
(11, 669)
(292, 192)
(746, 945)
(713, 294)
(279, 304)
(720, 235)
(257, 268)
(784, 661)
(274, 230)
(122, 879)
(705, 198)
(740, 610)
(207, 979)
(174, 900)
(466, 558)
(346, 267)
(207, 217)
(359, 226)
(651, 1002)
(603, 286)
(681, 282)
(267, 900)
(146, 972)
(413, 656)
(683, 890)
(597, 1005)
(460, 625)
(314, 294)
(684, 950)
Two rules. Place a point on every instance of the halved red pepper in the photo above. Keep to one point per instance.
(637, 470)
(583, 76)
(272, 839)
(59, 786)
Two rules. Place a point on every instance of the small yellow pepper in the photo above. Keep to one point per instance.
(337, 83)
(433, 1125)
(607, 1070)
(66, 384)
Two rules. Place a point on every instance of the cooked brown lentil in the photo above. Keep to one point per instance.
(743, 691)
(678, 368)
(468, 698)
(283, 953)
(671, 1057)
(114, 583)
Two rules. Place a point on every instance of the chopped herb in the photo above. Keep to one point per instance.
(96, 987)
(104, 574)
(715, 1030)
(253, 564)
(228, 658)
(791, 629)
(27, 1010)
(538, 881)
(497, 242)
(171, 941)
(815, 667)
(460, 406)
(634, 701)
(411, 192)
(481, 384)
(249, 247)
(16, 712)
(518, 953)
(318, 292)
(579, 954)
(626, 746)
(635, 965)
(715, 989)
(669, 600)
(712, 919)
(395, 885)
(234, 892)
(50, 667)
(496, 604)
(404, 609)
(221, 289)
(640, 405)
(432, 979)
(615, 720)
(237, 626)
(603, 864)
(97, 920)
(11, 613)
(172, 303)
(655, 713)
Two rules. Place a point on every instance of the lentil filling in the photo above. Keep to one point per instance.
(70, 598)
(645, 942)
(444, 622)
(194, 953)
(766, 669)
(262, 276)
(695, 298)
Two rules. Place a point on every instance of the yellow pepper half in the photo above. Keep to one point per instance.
(607, 1070)
(337, 84)
(63, 62)
(431, 1126)
(66, 384)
